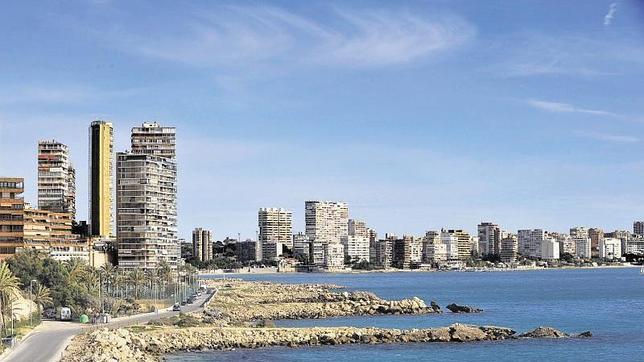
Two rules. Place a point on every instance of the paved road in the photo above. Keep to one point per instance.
(47, 342)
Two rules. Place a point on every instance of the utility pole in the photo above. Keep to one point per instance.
(31, 298)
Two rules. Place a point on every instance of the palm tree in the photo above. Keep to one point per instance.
(76, 268)
(9, 289)
(108, 273)
(42, 297)
(136, 278)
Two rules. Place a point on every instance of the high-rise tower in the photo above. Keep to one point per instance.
(146, 199)
(56, 178)
(101, 136)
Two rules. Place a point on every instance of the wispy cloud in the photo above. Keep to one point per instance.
(573, 55)
(606, 137)
(232, 35)
(612, 10)
(558, 107)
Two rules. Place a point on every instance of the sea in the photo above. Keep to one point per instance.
(608, 302)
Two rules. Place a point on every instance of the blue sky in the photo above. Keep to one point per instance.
(420, 114)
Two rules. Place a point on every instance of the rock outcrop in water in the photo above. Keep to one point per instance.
(150, 343)
(240, 314)
(455, 308)
(240, 302)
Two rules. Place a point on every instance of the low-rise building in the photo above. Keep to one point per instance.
(247, 251)
(272, 250)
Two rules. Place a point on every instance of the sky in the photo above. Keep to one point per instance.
(419, 114)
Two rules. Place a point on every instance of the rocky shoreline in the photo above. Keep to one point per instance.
(238, 301)
(232, 320)
(151, 343)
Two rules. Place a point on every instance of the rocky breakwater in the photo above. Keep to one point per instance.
(240, 301)
(151, 343)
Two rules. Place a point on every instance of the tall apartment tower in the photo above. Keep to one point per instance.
(202, 244)
(326, 221)
(101, 169)
(489, 238)
(56, 178)
(638, 228)
(146, 199)
(11, 215)
(275, 226)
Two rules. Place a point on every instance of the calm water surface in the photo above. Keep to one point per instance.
(608, 302)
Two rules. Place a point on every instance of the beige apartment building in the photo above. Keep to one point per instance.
(11, 215)
(326, 221)
(146, 199)
(56, 178)
(275, 225)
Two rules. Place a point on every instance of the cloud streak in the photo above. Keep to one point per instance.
(558, 107)
(605, 137)
(608, 18)
(244, 34)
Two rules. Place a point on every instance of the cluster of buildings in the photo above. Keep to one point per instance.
(140, 187)
(332, 241)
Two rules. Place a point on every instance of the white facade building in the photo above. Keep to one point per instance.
(326, 221)
(610, 248)
(356, 247)
(530, 241)
(549, 249)
(333, 256)
(582, 247)
(275, 225)
(450, 241)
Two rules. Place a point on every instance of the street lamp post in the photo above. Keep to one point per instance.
(31, 298)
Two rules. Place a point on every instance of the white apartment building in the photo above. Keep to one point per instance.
(356, 247)
(635, 246)
(530, 241)
(610, 248)
(275, 225)
(326, 221)
(146, 199)
(56, 178)
(566, 244)
(333, 256)
(549, 249)
(582, 247)
(416, 249)
(579, 232)
(450, 241)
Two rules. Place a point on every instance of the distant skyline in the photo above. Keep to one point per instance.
(419, 114)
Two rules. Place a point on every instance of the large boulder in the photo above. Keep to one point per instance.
(544, 332)
(466, 333)
(455, 308)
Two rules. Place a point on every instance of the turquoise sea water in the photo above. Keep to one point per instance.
(608, 302)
